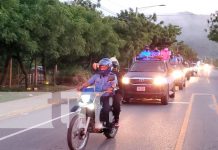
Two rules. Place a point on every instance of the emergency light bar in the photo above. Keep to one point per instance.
(149, 58)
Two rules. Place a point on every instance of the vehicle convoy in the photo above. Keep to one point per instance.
(187, 70)
(179, 75)
(194, 69)
(151, 79)
(90, 118)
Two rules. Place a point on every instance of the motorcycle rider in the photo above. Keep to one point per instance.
(104, 80)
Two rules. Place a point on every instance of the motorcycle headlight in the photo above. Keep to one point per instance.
(85, 98)
(125, 80)
(160, 80)
(91, 106)
(177, 74)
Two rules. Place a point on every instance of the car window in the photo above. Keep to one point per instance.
(148, 67)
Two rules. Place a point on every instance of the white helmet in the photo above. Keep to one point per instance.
(114, 62)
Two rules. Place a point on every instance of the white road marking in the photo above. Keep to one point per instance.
(33, 127)
(179, 102)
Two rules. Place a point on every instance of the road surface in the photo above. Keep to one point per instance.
(188, 122)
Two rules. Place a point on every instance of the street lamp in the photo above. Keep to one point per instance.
(137, 8)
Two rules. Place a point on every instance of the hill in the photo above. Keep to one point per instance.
(193, 32)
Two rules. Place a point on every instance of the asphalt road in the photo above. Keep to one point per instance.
(188, 122)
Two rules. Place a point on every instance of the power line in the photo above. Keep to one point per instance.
(96, 3)
(104, 8)
(108, 10)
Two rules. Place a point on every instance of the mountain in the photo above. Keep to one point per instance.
(193, 32)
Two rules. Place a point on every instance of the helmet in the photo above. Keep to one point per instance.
(115, 62)
(105, 66)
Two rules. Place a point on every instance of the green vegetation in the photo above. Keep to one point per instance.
(213, 27)
(71, 37)
(213, 30)
(184, 50)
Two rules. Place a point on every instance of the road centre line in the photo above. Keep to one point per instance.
(33, 127)
(215, 103)
(208, 81)
(182, 134)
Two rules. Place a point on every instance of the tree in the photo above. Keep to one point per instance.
(187, 52)
(14, 36)
(86, 3)
(137, 31)
(213, 27)
(164, 36)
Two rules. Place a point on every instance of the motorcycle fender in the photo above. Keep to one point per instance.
(75, 108)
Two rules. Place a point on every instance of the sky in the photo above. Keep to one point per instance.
(203, 7)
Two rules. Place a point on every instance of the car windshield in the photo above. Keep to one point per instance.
(148, 67)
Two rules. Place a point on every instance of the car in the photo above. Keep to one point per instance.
(187, 70)
(151, 79)
(179, 75)
(194, 69)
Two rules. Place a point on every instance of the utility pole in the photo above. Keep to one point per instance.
(36, 73)
(10, 73)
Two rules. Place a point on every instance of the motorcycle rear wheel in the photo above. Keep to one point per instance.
(110, 133)
(76, 138)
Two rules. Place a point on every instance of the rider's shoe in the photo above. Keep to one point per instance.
(116, 123)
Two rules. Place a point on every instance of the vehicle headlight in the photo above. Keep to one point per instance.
(160, 81)
(85, 98)
(177, 74)
(125, 80)
(186, 70)
(207, 67)
(91, 106)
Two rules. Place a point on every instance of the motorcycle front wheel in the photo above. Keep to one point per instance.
(76, 138)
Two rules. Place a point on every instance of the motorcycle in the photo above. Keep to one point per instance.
(90, 118)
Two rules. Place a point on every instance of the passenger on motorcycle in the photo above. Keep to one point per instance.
(104, 80)
(118, 93)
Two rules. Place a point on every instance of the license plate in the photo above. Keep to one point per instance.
(140, 88)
